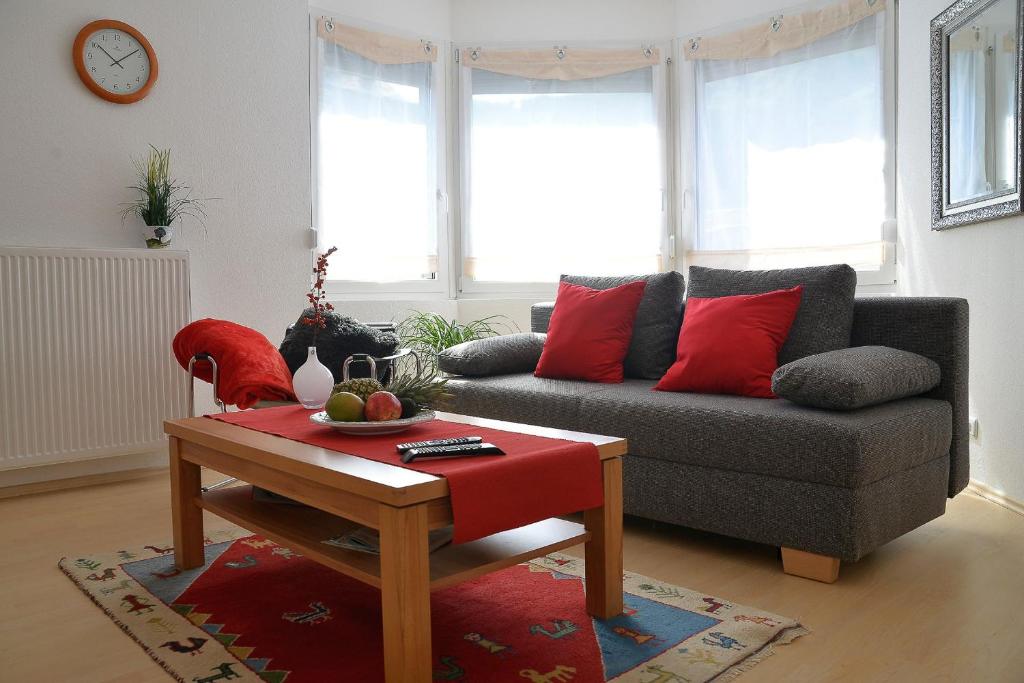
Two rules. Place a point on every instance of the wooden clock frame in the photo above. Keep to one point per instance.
(83, 73)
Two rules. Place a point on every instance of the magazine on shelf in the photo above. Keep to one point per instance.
(366, 540)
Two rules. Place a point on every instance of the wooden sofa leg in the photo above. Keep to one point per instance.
(810, 566)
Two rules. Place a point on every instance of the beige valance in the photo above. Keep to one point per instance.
(560, 63)
(378, 47)
(781, 32)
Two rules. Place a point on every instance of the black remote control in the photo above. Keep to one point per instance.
(457, 451)
(458, 441)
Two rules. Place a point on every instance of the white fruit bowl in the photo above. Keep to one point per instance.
(371, 428)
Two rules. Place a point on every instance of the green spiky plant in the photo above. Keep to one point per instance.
(430, 333)
(162, 199)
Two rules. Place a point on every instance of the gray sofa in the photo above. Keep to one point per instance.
(830, 485)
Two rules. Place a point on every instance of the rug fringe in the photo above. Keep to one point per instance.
(784, 637)
(121, 625)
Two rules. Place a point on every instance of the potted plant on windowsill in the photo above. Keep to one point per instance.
(162, 201)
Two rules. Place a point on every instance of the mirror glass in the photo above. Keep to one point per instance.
(982, 105)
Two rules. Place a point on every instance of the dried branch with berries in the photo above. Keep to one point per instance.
(317, 295)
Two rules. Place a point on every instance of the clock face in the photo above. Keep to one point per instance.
(115, 61)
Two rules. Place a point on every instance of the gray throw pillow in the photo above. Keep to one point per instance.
(652, 350)
(825, 318)
(855, 377)
(502, 355)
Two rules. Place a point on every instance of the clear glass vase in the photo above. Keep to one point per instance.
(313, 382)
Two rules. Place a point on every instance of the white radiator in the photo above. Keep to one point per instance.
(86, 368)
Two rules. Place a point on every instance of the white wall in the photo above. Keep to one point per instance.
(497, 21)
(694, 16)
(417, 17)
(231, 103)
(980, 262)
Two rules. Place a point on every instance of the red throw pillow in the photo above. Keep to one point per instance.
(730, 344)
(589, 332)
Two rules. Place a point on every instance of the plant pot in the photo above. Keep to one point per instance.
(312, 382)
(157, 236)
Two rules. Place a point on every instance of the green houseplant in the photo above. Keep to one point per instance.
(430, 333)
(162, 199)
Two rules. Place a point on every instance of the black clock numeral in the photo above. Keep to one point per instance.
(138, 79)
(89, 55)
(103, 80)
(104, 37)
(115, 86)
(93, 69)
(117, 36)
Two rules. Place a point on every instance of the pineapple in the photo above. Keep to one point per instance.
(361, 387)
(425, 391)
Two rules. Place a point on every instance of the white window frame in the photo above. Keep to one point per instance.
(686, 229)
(468, 288)
(439, 287)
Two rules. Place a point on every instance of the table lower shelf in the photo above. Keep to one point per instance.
(304, 528)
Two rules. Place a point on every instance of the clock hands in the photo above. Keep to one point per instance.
(114, 61)
(118, 62)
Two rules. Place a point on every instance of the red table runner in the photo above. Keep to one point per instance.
(538, 478)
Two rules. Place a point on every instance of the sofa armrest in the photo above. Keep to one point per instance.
(936, 328)
(540, 316)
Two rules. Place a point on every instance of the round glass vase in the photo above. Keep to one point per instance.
(312, 382)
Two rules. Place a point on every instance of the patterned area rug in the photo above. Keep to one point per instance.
(260, 612)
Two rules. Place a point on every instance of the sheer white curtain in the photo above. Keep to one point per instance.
(376, 166)
(562, 176)
(968, 175)
(791, 152)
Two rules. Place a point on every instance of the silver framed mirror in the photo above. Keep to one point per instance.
(977, 78)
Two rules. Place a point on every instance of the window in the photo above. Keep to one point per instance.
(376, 155)
(791, 146)
(560, 174)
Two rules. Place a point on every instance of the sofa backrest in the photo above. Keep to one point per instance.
(934, 327)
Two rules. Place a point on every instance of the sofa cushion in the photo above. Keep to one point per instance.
(653, 346)
(730, 344)
(590, 331)
(825, 319)
(501, 355)
(770, 437)
(855, 377)
(521, 398)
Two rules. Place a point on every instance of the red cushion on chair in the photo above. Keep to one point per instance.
(730, 344)
(589, 332)
(249, 368)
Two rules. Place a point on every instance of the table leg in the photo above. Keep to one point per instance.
(405, 593)
(603, 551)
(186, 515)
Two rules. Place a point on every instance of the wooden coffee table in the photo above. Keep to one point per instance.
(345, 490)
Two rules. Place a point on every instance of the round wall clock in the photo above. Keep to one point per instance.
(115, 61)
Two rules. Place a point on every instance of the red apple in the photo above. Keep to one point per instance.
(381, 406)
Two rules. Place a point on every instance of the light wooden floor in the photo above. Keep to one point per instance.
(944, 603)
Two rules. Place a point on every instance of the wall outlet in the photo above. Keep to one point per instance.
(972, 428)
